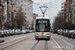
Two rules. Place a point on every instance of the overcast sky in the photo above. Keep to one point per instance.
(53, 8)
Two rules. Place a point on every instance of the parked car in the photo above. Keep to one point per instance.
(73, 35)
(8, 33)
(23, 31)
(5, 32)
(27, 31)
(11, 32)
(70, 33)
(16, 32)
(63, 31)
(55, 31)
(66, 33)
(59, 31)
(2, 33)
(31, 31)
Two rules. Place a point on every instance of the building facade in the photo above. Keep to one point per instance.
(34, 18)
(27, 8)
(1, 13)
(73, 11)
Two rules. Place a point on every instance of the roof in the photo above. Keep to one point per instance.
(42, 17)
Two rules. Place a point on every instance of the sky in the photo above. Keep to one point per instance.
(54, 6)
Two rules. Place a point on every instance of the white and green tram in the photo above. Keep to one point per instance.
(42, 28)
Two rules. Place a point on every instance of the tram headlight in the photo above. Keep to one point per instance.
(37, 34)
(47, 34)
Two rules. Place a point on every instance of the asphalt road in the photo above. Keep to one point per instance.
(28, 42)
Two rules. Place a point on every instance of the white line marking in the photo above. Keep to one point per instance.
(57, 43)
(65, 41)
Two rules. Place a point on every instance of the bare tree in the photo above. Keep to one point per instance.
(20, 18)
(58, 23)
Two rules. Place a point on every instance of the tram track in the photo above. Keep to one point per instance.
(46, 47)
(22, 39)
(35, 45)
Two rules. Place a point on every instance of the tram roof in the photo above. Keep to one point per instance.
(42, 17)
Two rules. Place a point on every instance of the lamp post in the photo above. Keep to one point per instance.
(43, 11)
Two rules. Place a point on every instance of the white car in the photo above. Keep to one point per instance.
(11, 33)
(5, 32)
(16, 31)
(30, 31)
(2, 33)
(59, 31)
(23, 31)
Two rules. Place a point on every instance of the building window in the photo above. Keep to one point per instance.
(21, 5)
(25, 24)
(25, 1)
(25, 17)
(25, 9)
(24, 5)
(22, 1)
(22, 9)
(25, 13)
(74, 14)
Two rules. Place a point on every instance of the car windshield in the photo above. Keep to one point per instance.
(71, 31)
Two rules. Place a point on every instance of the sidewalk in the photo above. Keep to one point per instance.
(1, 41)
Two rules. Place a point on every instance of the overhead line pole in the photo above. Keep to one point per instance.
(42, 11)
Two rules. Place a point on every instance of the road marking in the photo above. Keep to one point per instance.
(66, 42)
(46, 47)
(56, 43)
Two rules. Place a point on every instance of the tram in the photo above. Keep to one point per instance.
(42, 28)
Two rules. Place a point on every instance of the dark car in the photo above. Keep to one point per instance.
(73, 35)
(70, 33)
(55, 31)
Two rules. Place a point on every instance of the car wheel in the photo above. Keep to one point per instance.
(3, 35)
(64, 35)
(68, 36)
(6, 35)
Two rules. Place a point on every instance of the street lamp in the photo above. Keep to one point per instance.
(43, 9)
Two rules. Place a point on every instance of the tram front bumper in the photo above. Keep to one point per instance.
(42, 37)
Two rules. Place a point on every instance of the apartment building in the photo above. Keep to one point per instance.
(62, 9)
(27, 8)
(66, 10)
(34, 18)
(73, 11)
(1, 13)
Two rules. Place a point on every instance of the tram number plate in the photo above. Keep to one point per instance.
(42, 34)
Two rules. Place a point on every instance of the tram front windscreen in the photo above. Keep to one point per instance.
(42, 25)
